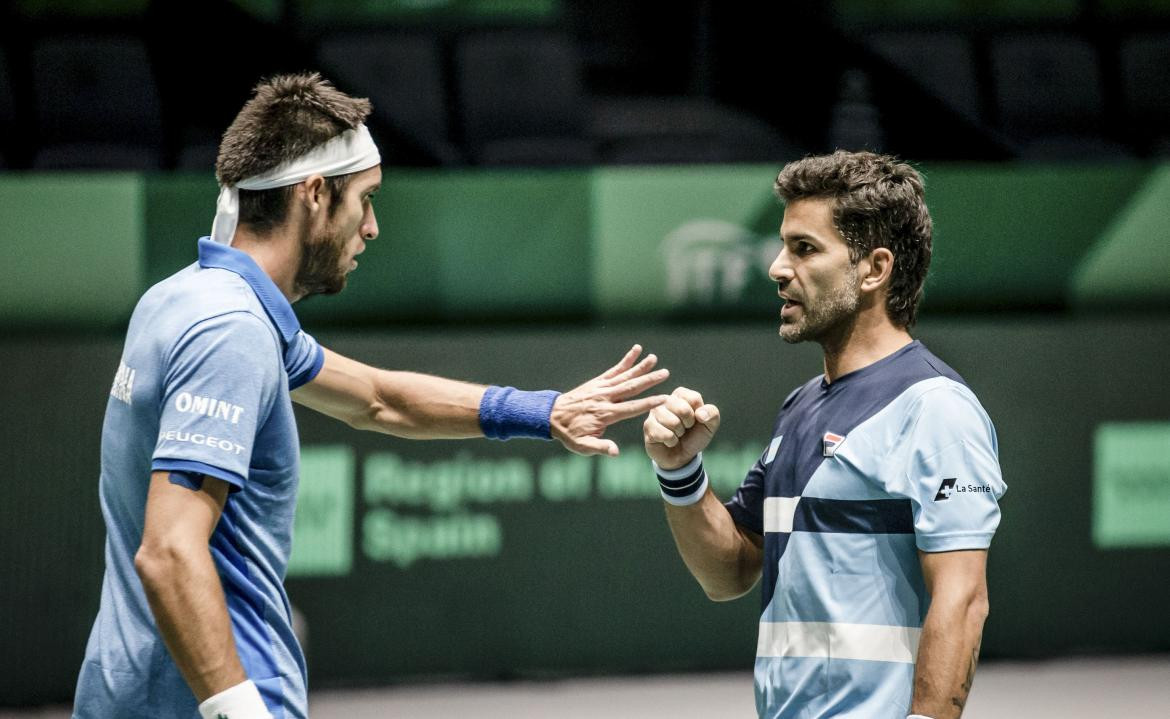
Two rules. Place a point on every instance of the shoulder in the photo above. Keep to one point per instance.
(934, 365)
(940, 395)
(239, 333)
(198, 302)
(947, 411)
(235, 344)
(198, 291)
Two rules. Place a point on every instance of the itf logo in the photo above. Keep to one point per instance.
(713, 262)
(946, 490)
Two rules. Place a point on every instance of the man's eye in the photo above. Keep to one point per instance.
(804, 248)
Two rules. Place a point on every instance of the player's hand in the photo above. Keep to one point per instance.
(581, 415)
(680, 428)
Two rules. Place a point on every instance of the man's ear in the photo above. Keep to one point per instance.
(881, 266)
(312, 192)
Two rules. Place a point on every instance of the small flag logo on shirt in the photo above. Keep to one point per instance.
(830, 443)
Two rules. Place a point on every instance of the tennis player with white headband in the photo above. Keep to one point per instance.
(199, 464)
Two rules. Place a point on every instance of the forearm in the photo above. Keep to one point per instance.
(419, 406)
(725, 562)
(189, 608)
(947, 654)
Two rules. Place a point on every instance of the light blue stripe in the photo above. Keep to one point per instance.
(805, 688)
(851, 578)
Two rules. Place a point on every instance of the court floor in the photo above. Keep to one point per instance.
(1083, 688)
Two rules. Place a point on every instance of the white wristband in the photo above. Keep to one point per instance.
(683, 486)
(917, 716)
(243, 701)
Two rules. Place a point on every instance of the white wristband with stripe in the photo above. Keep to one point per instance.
(243, 701)
(683, 486)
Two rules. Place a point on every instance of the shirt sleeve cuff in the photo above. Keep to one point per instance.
(187, 465)
(953, 542)
(303, 378)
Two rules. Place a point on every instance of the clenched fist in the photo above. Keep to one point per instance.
(679, 428)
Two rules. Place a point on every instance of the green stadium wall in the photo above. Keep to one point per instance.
(609, 244)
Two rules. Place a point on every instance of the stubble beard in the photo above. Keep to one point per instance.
(320, 271)
(828, 318)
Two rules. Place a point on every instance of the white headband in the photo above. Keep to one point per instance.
(351, 151)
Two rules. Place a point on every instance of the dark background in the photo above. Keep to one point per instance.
(596, 587)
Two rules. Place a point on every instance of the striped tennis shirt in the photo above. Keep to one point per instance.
(861, 474)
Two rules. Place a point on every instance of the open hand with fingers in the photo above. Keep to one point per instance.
(679, 428)
(581, 415)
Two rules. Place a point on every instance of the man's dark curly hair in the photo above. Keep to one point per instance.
(878, 201)
(287, 117)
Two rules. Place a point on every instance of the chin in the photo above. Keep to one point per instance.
(801, 331)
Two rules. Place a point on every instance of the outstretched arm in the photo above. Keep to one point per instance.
(725, 558)
(949, 648)
(419, 406)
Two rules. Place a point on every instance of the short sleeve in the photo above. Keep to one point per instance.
(303, 359)
(220, 381)
(951, 472)
(746, 506)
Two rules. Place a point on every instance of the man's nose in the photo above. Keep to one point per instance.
(780, 269)
(370, 226)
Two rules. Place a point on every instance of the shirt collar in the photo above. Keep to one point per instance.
(213, 254)
(870, 368)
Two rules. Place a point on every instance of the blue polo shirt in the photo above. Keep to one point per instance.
(202, 387)
(860, 475)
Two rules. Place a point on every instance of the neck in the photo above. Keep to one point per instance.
(277, 252)
(871, 336)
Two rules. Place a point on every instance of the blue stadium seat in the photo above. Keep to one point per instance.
(1145, 86)
(682, 130)
(1049, 97)
(97, 106)
(403, 77)
(198, 152)
(521, 99)
(942, 63)
(97, 156)
(7, 109)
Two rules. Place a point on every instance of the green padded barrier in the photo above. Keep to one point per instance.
(179, 210)
(1010, 236)
(469, 246)
(606, 244)
(692, 240)
(71, 249)
(1129, 265)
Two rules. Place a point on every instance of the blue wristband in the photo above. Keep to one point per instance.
(508, 413)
